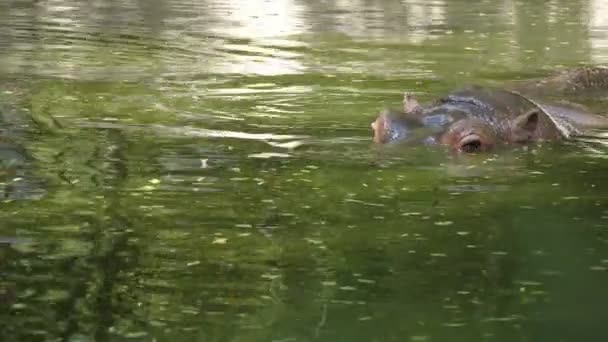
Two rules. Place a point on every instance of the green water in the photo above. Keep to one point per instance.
(203, 171)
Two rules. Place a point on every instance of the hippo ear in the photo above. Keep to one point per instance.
(524, 126)
(410, 104)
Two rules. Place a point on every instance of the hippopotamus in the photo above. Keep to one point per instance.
(477, 119)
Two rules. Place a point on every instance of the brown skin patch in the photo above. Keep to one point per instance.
(378, 128)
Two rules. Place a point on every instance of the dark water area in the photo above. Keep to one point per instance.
(203, 171)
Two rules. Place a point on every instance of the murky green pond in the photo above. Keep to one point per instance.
(203, 171)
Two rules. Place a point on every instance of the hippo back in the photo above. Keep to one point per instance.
(570, 119)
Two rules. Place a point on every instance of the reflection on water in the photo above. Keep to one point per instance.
(597, 29)
(242, 37)
(208, 175)
(246, 19)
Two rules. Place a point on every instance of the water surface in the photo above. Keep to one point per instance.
(202, 171)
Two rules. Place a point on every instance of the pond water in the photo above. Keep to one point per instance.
(203, 171)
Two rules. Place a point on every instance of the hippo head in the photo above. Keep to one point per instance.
(462, 122)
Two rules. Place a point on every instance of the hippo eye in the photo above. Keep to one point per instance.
(471, 143)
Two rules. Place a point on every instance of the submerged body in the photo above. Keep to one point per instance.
(478, 119)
